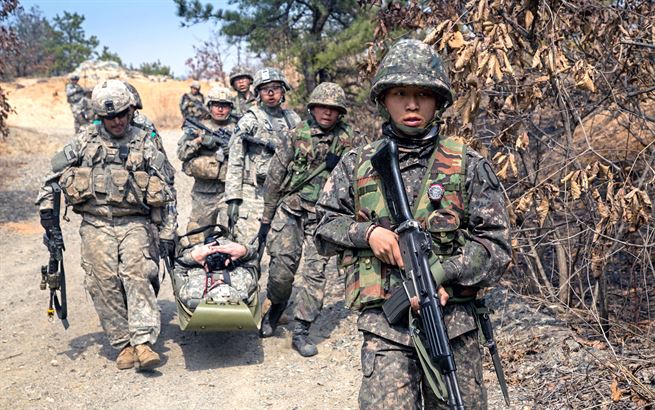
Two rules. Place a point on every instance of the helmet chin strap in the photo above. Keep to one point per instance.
(429, 136)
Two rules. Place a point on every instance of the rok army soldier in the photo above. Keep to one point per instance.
(257, 135)
(79, 103)
(204, 157)
(240, 80)
(296, 174)
(116, 178)
(457, 198)
(192, 104)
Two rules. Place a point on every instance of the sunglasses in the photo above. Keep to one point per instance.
(271, 90)
(117, 115)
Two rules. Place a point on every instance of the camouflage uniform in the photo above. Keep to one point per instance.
(244, 101)
(191, 283)
(80, 105)
(303, 151)
(206, 162)
(392, 375)
(248, 162)
(193, 105)
(121, 199)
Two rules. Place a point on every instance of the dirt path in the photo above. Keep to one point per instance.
(45, 366)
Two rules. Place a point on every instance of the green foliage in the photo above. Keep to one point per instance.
(69, 44)
(155, 68)
(32, 31)
(107, 55)
(311, 35)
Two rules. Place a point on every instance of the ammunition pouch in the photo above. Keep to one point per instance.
(204, 167)
(76, 184)
(443, 226)
(117, 191)
(156, 194)
(368, 280)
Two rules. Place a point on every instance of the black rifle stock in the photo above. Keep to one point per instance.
(415, 246)
(53, 275)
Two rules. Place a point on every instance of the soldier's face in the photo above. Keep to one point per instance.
(116, 125)
(325, 116)
(220, 111)
(271, 93)
(242, 84)
(194, 90)
(411, 106)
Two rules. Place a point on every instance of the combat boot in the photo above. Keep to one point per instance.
(301, 341)
(148, 359)
(125, 359)
(271, 319)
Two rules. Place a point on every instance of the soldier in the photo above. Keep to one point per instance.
(192, 104)
(116, 178)
(204, 157)
(468, 225)
(240, 80)
(79, 103)
(296, 174)
(257, 134)
(139, 120)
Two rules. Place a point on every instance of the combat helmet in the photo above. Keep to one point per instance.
(220, 95)
(110, 97)
(196, 85)
(136, 98)
(412, 63)
(269, 75)
(73, 77)
(240, 71)
(330, 94)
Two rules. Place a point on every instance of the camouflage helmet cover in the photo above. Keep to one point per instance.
(220, 95)
(269, 75)
(110, 97)
(329, 94)
(195, 84)
(412, 63)
(73, 77)
(240, 71)
(136, 98)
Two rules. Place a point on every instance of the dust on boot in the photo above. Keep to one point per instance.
(301, 341)
(271, 319)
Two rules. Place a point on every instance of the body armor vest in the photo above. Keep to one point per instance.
(368, 280)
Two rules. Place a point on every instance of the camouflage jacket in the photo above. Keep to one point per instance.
(248, 162)
(99, 181)
(478, 262)
(303, 151)
(74, 93)
(139, 120)
(213, 158)
(193, 106)
(243, 104)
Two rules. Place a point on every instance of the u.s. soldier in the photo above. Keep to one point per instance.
(468, 224)
(259, 132)
(192, 104)
(241, 80)
(121, 184)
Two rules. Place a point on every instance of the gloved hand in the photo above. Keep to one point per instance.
(167, 248)
(331, 161)
(263, 233)
(232, 212)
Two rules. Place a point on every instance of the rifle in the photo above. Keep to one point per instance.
(53, 274)
(415, 247)
(267, 145)
(222, 136)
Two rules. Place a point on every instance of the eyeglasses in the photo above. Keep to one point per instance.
(271, 89)
(117, 115)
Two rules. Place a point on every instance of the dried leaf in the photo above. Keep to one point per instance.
(529, 18)
(575, 189)
(522, 141)
(456, 40)
(502, 174)
(524, 202)
(542, 210)
(616, 392)
(464, 57)
(512, 164)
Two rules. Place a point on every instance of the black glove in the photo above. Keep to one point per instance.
(263, 233)
(331, 161)
(232, 212)
(167, 248)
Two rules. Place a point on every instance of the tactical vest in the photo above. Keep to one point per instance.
(305, 157)
(368, 280)
(271, 129)
(209, 164)
(111, 180)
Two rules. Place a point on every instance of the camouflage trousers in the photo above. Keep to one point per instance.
(120, 261)
(206, 208)
(393, 377)
(250, 213)
(192, 285)
(288, 236)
